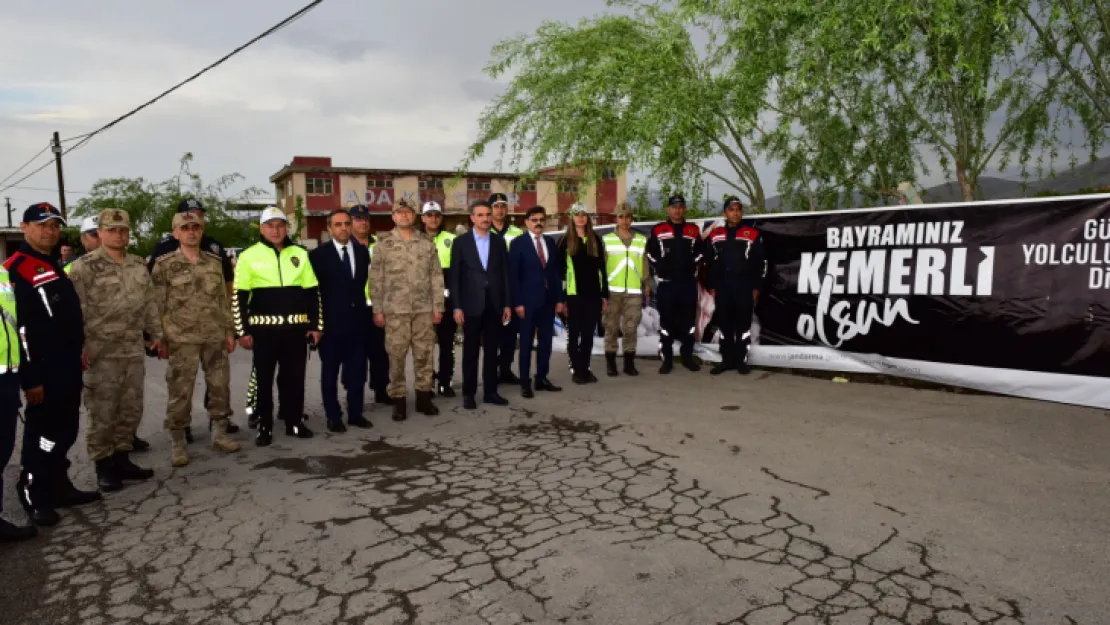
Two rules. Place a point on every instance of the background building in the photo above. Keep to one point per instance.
(325, 188)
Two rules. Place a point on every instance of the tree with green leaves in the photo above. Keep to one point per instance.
(151, 205)
(1072, 39)
(863, 89)
(629, 88)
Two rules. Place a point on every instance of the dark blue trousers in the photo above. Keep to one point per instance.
(9, 415)
(50, 430)
(344, 353)
(539, 323)
(507, 348)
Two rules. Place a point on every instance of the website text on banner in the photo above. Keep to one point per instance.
(1010, 297)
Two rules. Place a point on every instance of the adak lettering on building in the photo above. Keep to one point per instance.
(384, 197)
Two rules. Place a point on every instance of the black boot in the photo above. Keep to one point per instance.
(37, 504)
(265, 435)
(690, 363)
(300, 430)
(611, 364)
(14, 533)
(188, 435)
(381, 397)
(107, 476)
(630, 365)
(668, 362)
(67, 495)
(400, 409)
(127, 470)
(139, 445)
(445, 390)
(252, 421)
(424, 404)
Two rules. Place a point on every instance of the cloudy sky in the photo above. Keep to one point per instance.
(371, 84)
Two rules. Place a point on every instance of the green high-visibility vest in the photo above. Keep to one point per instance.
(443, 242)
(572, 281)
(625, 265)
(9, 340)
(510, 233)
(371, 248)
(271, 278)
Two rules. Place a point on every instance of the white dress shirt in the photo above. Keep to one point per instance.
(350, 254)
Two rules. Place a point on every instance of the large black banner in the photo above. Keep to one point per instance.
(1015, 286)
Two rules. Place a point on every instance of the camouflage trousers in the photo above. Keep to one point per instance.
(114, 401)
(181, 378)
(623, 316)
(403, 331)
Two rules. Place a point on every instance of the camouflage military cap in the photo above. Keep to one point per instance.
(625, 210)
(114, 218)
(180, 219)
(404, 203)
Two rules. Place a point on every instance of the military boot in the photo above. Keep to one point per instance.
(107, 477)
(630, 365)
(400, 409)
(220, 440)
(611, 364)
(668, 361)
(179, 457)
(690, 362)
(127, 470)
(424, 403)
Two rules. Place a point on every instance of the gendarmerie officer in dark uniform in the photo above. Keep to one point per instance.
(737, 265)
(674, 251)
(169, 245)
(52, 330)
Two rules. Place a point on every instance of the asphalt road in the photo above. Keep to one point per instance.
(658, 500)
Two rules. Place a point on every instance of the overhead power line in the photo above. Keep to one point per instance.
(85, 138)
(273, 29)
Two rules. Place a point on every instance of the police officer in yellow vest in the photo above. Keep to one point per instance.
(629, 284)
(502, 225)
(276, 306)
(432, 216)
(9, 397)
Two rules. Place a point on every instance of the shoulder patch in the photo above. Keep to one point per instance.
(296, 260)
(747, 233)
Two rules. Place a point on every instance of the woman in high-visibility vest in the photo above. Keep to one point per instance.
(587, 290)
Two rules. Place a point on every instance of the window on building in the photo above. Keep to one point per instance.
(431, 184)
(477, 186)
(568, 187)
(318, 186)
(524, 188)
(379, 184)
(608, 174)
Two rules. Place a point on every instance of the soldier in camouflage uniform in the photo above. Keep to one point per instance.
(117, 302)
(406, 286)
(192, 302)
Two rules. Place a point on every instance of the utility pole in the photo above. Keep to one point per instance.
(57, 143)
(8, 201)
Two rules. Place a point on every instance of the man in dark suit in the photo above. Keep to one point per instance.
(537, 281)
(481, 290)
(341, 267)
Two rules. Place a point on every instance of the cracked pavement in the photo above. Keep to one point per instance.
(760, 500)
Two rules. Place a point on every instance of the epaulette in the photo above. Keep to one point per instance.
(35, 271)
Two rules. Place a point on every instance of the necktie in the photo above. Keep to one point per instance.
(539, 248)
(347, 260)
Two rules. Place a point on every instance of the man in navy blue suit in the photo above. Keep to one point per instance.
(537, 281)
(342, 267)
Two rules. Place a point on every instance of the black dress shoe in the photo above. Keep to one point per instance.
(579, 379)
(495, 399)
(743, 368)
(381, 397)
(107, 476)
(10, 533)
(264, 437)
(546, 385)
(334, 425)
(526, 392)
(509, 378)
(359, 422)
(690, 363)
(720, 368)
(445, 390)
(590, 377)
(138, 444)
(469, 403)
(67, 495)
(252, 422)
(44, 517)
(300, 430)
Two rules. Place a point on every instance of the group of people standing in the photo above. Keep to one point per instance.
(358, 300)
